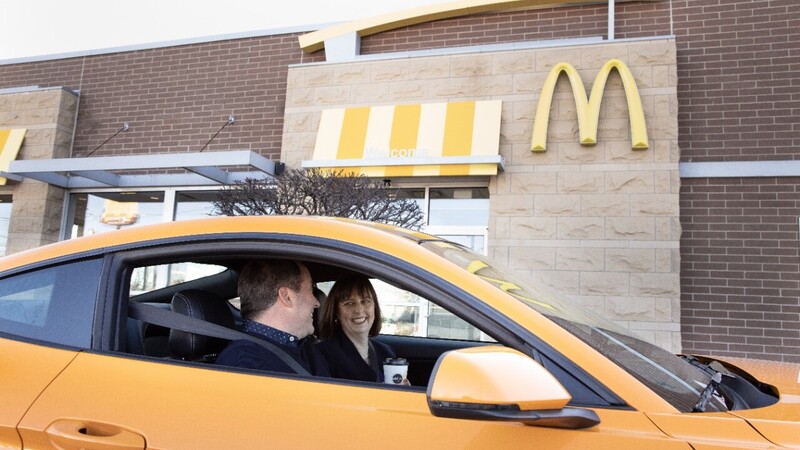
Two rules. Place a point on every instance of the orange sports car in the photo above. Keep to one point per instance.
(93, 354)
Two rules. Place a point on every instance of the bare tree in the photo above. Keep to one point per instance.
(319, 193)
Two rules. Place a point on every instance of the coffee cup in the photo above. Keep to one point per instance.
(395, 370)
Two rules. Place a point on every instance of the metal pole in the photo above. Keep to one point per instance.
(610, 20)
(671, 28)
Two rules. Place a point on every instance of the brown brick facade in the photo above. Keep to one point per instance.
(739, 72)
(175, 98)
(633, 20)
(739, 267)
(739, 96)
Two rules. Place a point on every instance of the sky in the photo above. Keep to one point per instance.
(33, 28)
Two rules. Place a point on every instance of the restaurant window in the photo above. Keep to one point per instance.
(100, 212)
(457, 214)
(451, 207)
(460, 206)
(419, 196)
(194, 204)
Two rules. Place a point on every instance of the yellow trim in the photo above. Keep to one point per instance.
(354, 133)
(589, 111)
(405, 128)
(404, 134)
(458, 129)
(311, 42)
(458, 135)
(10, 143)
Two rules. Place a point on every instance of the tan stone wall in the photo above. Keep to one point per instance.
(600, 223)
(49, 116)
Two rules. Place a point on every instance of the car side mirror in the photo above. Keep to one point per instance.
(499, 383)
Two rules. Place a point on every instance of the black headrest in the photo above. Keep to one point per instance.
(202, 305)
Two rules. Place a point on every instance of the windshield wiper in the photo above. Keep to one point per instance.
(711, 387)
(709, 390)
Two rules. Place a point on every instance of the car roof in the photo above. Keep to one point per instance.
(324, 227)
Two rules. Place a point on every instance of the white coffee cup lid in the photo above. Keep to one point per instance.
(395, 362)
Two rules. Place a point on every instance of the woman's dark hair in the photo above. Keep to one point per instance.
(343, 289)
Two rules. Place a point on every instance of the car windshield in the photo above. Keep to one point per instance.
(667, 374)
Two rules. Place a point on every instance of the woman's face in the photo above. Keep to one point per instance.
(356, 313)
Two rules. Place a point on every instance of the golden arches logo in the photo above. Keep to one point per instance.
(589, 111)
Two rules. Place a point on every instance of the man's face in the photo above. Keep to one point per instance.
(303, 306)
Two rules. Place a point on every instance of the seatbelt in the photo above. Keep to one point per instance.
(171, 319)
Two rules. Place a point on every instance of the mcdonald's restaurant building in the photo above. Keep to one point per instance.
(640, 156)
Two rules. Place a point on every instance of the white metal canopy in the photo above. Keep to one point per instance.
(199, 169)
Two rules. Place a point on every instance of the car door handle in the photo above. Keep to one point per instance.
(75, 434)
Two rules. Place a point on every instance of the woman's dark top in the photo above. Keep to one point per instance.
(344, 361)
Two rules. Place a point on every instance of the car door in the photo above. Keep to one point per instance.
(46, 318)
(103, 401)
(25, 370)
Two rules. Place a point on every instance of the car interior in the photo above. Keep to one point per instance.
(201, 280)
(213, 299)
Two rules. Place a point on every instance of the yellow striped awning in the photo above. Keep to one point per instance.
(10, 143)
(431, 139)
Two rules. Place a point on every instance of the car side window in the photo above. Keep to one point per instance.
(54, 304)
(405, 313)
(408, 314)
(150, 278)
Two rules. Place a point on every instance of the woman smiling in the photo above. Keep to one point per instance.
(350, 317)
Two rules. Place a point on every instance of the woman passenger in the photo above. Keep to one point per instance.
(350, 317)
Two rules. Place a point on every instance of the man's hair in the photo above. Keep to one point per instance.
(260, 280)
(341, 290)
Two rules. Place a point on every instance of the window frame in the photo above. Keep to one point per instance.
(326, 251)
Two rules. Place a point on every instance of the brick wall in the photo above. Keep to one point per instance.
(739, 72)
(739, 267)
(175, 98)
(739, 95)
(633, 20)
